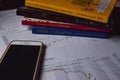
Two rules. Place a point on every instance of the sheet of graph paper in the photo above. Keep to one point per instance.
(76, 58)
(72, 58)
(9, 22)
(2, 46)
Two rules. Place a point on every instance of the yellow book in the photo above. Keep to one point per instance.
(97, 10)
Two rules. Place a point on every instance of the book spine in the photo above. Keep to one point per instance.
(42, 14)
(90, 16)
(47, 23)
(68, 32)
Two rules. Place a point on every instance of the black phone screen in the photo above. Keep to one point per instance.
(19, 62)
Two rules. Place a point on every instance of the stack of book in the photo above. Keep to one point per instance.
(88, 18)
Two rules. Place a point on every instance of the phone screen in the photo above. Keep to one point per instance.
(19, 62)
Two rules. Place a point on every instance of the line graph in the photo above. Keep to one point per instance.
(85, 69)
(87, 76)
(49, 40)
(114, 68)
(71, 61)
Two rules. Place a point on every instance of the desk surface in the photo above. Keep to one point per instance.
(67, 57)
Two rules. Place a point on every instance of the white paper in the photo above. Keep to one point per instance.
(2, 46)
(72, 58)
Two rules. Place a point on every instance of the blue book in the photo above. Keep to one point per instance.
(68, 32)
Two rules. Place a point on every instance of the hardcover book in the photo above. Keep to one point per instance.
(48, 23)
(48, 15)
(97, 10)
(68, 32)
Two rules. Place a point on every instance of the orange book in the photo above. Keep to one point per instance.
(97, 10)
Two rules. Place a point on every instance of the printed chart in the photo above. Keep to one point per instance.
(104, 68)
(67, 57)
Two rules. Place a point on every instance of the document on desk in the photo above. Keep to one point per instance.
(2, 46)
(74, 58)
(9, 22)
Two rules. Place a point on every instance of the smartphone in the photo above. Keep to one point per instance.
(22, 60)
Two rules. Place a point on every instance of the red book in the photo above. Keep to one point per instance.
(48, 23)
